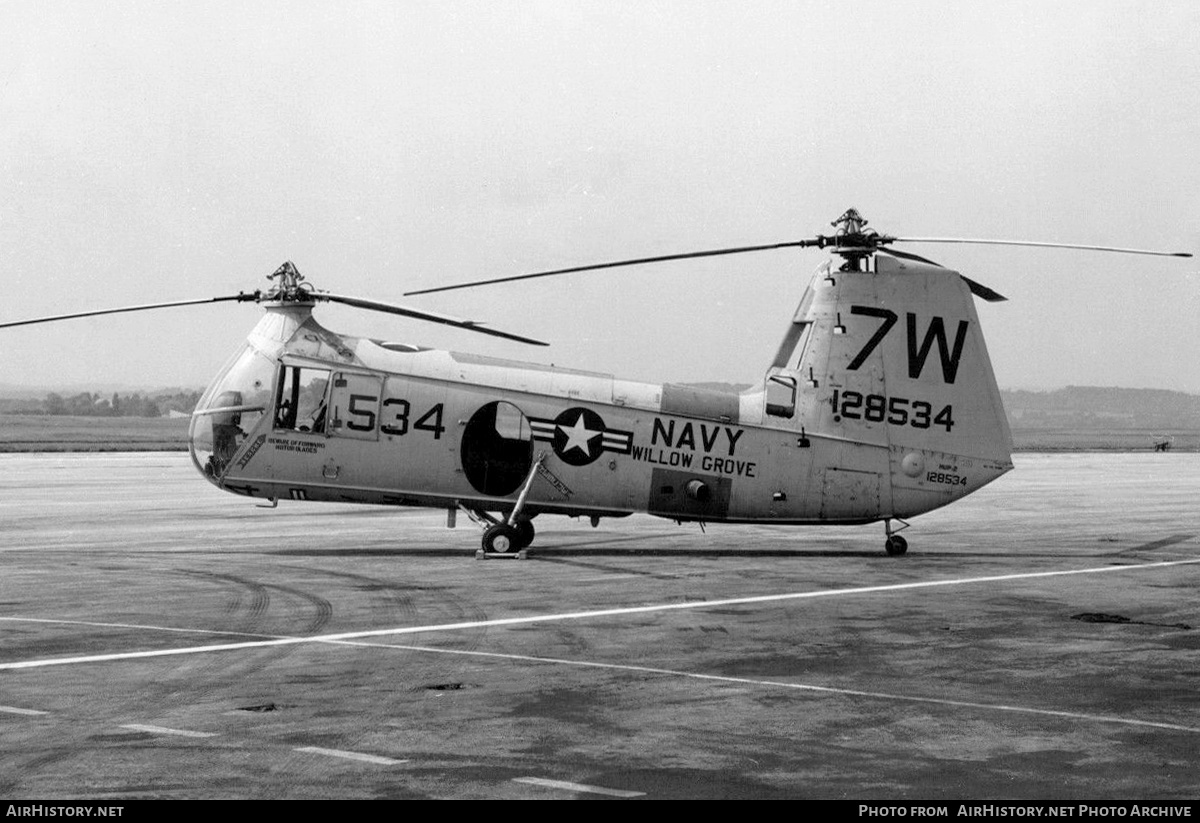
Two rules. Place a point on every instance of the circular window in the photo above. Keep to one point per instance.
(497, 449)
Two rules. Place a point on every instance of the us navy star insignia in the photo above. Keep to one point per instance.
(579, 436)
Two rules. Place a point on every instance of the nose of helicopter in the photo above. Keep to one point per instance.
(229, 410)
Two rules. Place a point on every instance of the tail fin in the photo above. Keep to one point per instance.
(895, 358)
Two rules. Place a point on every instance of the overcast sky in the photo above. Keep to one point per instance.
(159, 151)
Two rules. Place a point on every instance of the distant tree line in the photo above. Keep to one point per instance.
(93, 404)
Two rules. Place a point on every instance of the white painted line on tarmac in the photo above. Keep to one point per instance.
(805, 687)
(576, 787)
(359, 756)
(583, 615)
(140, 727)
(15, 710)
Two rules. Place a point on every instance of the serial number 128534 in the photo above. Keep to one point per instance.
(897, 411)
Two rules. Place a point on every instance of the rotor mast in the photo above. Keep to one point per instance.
(853, 241)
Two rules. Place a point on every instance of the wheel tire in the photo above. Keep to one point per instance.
(501, 539)
(525, 532)
(896, 546)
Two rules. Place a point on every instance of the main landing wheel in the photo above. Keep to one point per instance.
(896, 545)
(502, 539)
(524, 531)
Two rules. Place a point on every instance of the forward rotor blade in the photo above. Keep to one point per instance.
(1042, 245)
(238, 297)
(403, 311)
(615, 264)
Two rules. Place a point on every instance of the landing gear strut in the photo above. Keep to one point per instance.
(895, 545)
(510, 537)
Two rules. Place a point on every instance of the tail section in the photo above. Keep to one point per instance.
(899, 385)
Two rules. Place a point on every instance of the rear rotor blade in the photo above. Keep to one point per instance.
(238, 297)
(1042, 245)
(978, 289)
(616, 264)
(404, 311)
(983, 292)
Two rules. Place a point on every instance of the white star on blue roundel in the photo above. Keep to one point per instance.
(578, 436)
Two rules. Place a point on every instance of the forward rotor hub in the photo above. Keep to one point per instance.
(289, 286)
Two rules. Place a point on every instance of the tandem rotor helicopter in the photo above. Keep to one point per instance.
(880, 404)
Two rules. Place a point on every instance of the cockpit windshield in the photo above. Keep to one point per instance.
(229, 410)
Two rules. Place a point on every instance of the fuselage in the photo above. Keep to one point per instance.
(305, 413)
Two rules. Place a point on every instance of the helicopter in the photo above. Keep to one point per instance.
(879, 405)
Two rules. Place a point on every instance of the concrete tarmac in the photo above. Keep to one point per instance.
(161, 639)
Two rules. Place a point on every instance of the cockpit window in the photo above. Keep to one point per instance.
(301, 399)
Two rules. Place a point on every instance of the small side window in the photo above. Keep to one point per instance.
(301, 399)
(781, 396)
